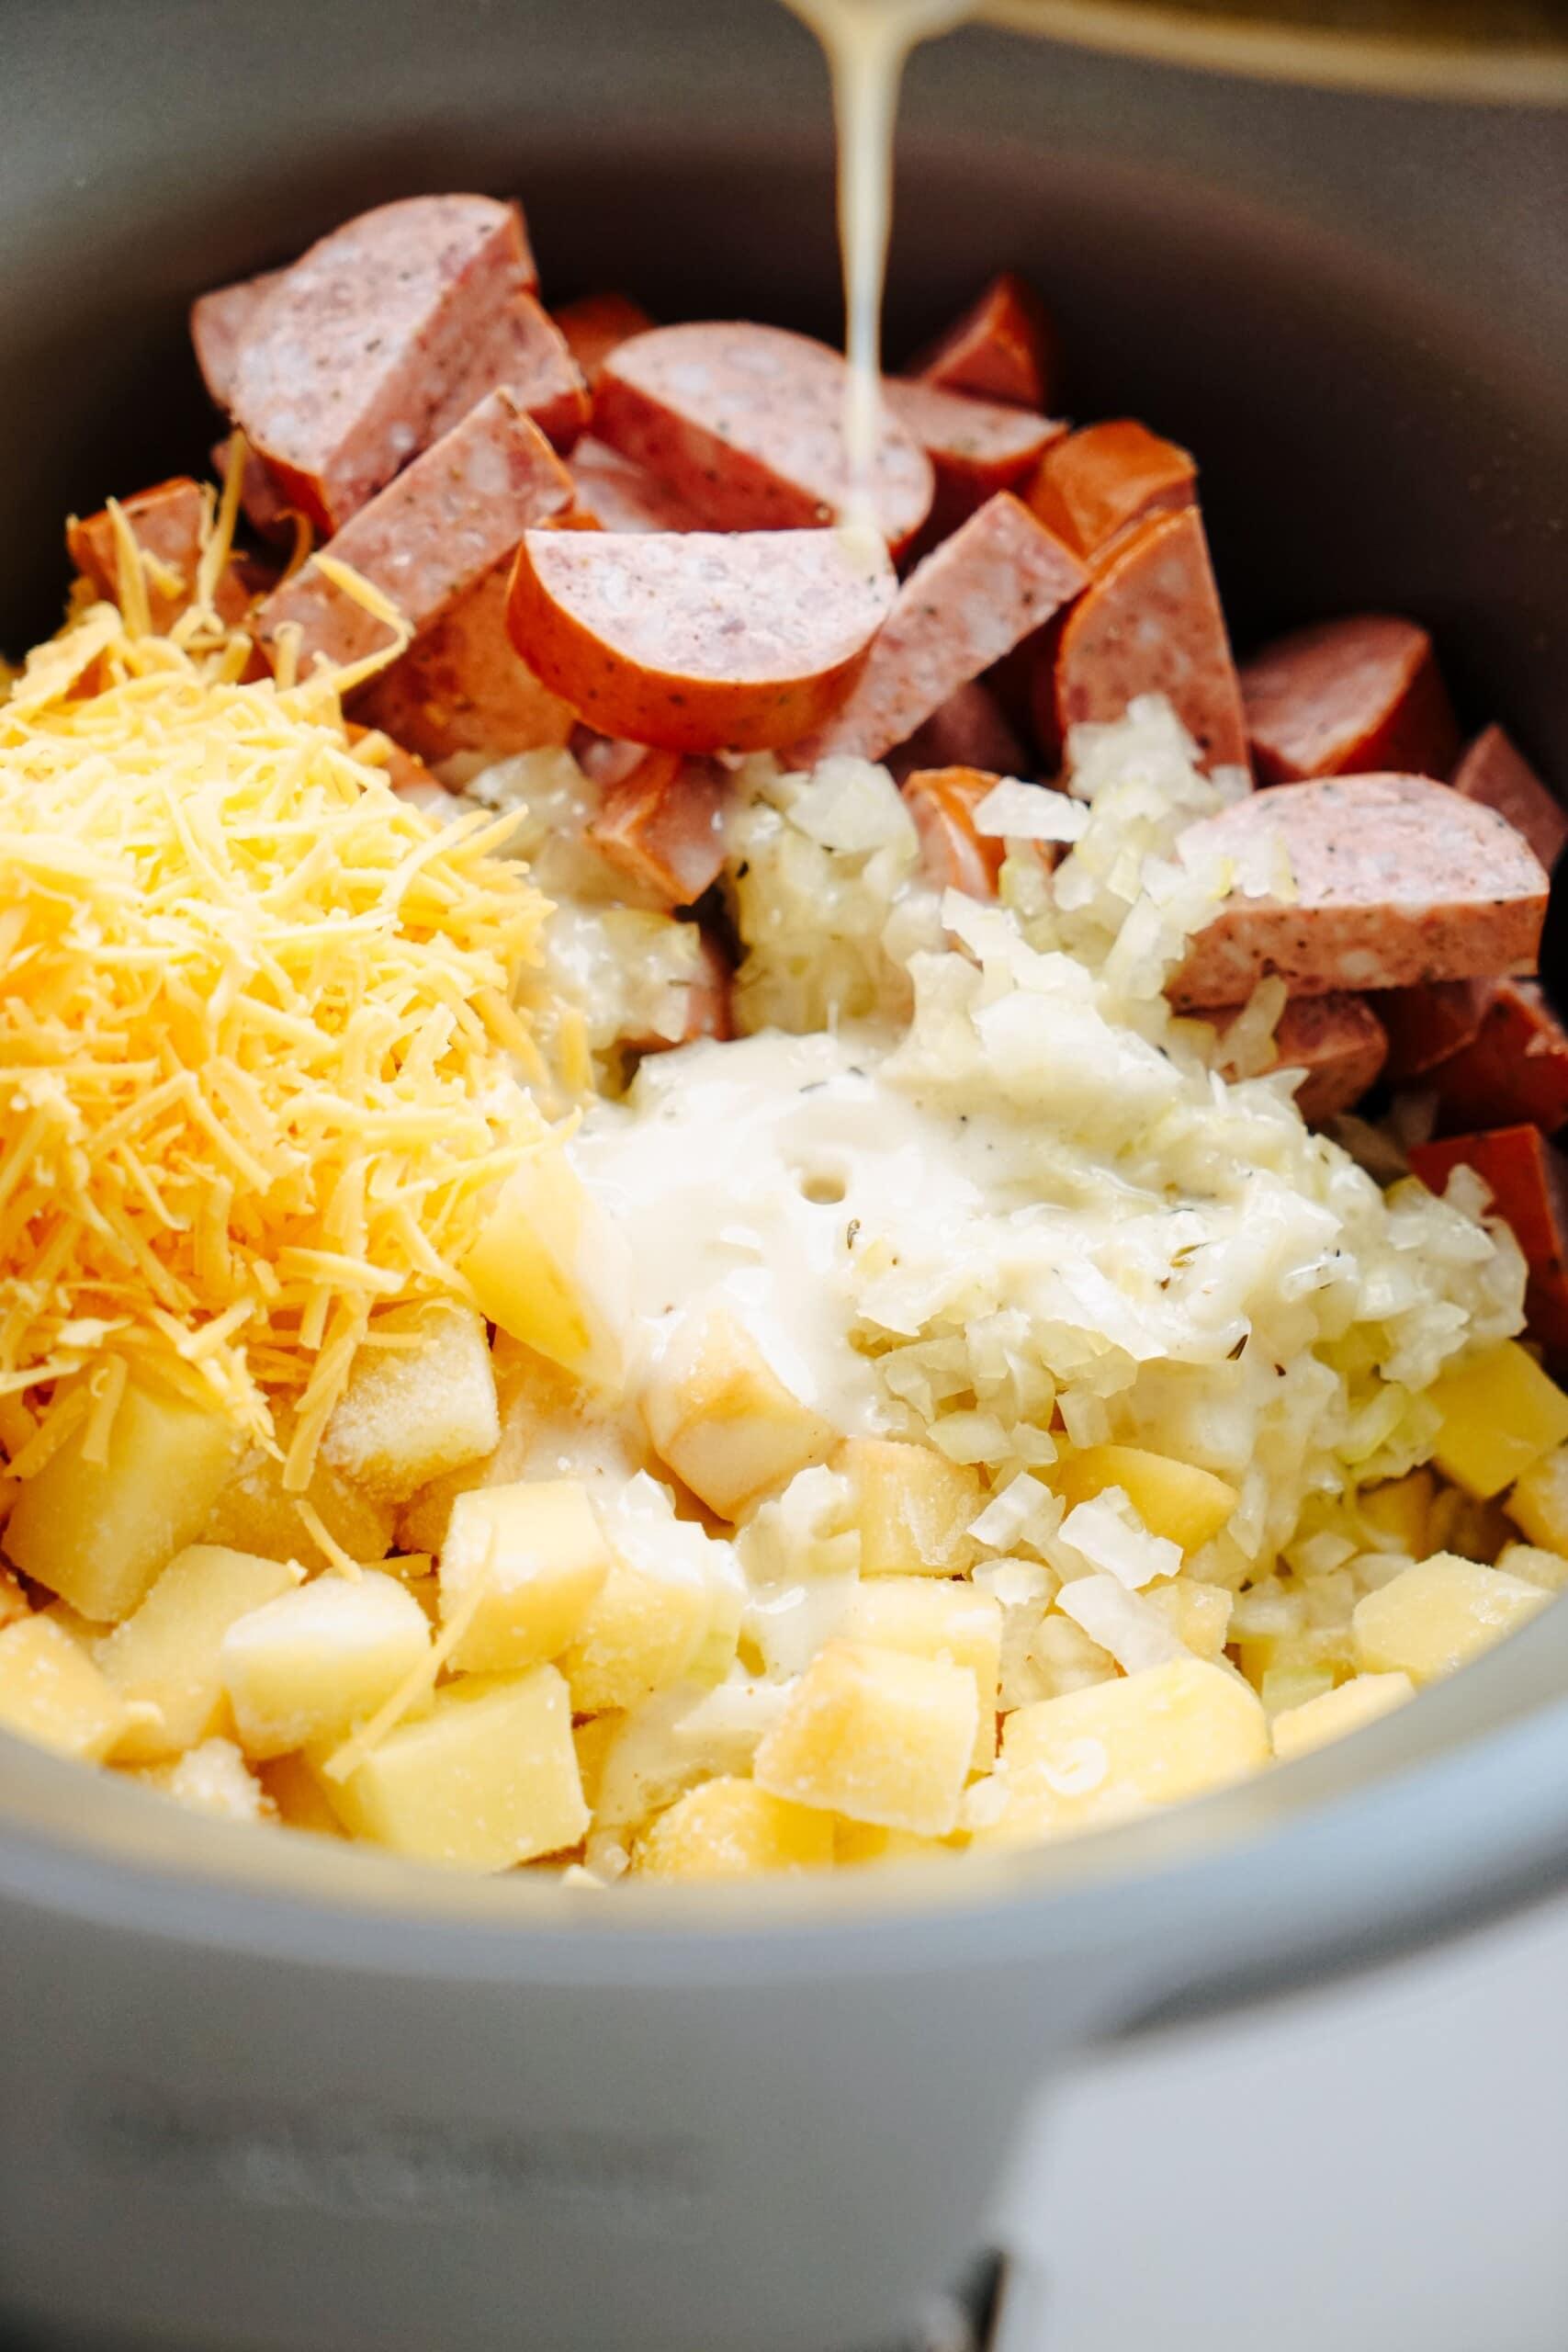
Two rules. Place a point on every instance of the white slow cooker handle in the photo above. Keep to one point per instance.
(1415, 2126)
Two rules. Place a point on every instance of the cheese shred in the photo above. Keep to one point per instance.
(259, 1041)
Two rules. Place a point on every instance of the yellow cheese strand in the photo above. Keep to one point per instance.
(258, 1035)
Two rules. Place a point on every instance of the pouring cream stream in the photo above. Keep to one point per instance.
(866, 44)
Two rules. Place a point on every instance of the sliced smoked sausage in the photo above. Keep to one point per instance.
(1337, 1042)
(697, 641)
(352, 357)
(620, 496)
(1494, 772)
(1150, 624)
(221, 324)
(462, 685)
(1515, 1066)
(745, 424)
(520, 349)
(1529, 1184)
(664, 825)
(1000, 575)
(1395, 880)
(596, 325)
(1096, 484)
(1350, 697)
(953, 856)
(1003, 348)
(1427, 1024)
(970, 729)
(428, 538)
(168, 523)
(977, 446)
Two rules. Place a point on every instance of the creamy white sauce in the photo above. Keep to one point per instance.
(749, 1172)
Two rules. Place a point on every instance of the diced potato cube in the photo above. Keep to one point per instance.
(305, 1669)
(426, 1590)
(1102, 1755)
(1399, 1510)
(1335, 1713)
(857, 1844)
(1312, 1650)
(1457, 1522)
(528, 1391)
(877, 1736)
(81, 1629)
(929, 1618)
(593, 1741)
(212, 1779)
(1548, 1569)
(256, 1514)
(97, 1533)
(912, 1506)
(1538, 1503)
(167, 1651)
(730, 1828)
(1198, 1613)
(1439, 1616)
(1284, 1687)
(14, 1605)
(655, 1609)
(407, 1414)
(1501, 1413)
(538, 1554)
(297, 1796)
(722, 1419)
(553, 1270)
(51, 1692)
(487, 1779)
(1175, 1500)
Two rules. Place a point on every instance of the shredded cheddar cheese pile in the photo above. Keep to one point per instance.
(257, 1037)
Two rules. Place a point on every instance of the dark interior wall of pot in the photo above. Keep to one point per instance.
(1355, 308)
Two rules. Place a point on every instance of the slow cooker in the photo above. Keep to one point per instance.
(260, 2096)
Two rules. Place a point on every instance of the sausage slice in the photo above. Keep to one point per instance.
(697, 641)
(1515, 1067)
(166, 524)
(1396, 881)
(1338, 1041)
(953, 856)
(1428, 1024)
(745, 424)
(221, 324)
(999, 576)
(621, 496)
(970, 729)
(1003, 348)
(519, 349)
(596, 325)
(664, 825)
(1529, 1184)
(1150, 624)
(430, 537)
(977, 446)
(1495, 773)
(462, 686)
(355, 351)
(1095, 485)
(1350, 697)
